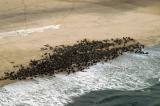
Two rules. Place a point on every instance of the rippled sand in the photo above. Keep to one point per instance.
(92, 19)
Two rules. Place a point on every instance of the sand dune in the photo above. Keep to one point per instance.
(92, 19)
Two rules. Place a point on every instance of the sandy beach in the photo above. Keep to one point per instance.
(78, 19)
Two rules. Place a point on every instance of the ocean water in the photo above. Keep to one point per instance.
(129, 80)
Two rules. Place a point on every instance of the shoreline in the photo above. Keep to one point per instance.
(93, 19)
(73, 58)
(127, 73)
(30, 47)
(8, 81)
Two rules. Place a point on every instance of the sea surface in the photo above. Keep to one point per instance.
(129, 80)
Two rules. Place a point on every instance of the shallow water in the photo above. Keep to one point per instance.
(112, 84)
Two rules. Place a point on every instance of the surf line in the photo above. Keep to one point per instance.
(25, 32)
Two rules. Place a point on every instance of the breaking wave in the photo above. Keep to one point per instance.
(126, 73)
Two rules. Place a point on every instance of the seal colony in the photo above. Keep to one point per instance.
(73, 58)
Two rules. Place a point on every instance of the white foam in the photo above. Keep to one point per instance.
(25, 32)
(127, 72)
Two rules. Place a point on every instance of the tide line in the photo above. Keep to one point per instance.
(25, 32)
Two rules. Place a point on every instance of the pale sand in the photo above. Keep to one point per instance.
(92, 19)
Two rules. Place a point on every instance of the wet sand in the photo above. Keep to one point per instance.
(91, 19)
